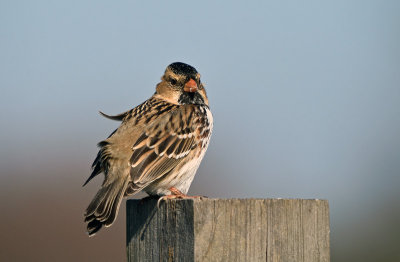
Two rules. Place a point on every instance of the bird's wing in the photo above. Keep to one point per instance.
(118, 117)
(163, 145)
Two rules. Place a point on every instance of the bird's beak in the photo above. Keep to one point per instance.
(190, 86)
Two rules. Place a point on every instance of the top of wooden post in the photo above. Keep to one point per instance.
(228, 230)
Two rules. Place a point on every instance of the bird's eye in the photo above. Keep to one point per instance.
(173, 81)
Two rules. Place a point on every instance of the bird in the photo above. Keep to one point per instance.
(156, 149)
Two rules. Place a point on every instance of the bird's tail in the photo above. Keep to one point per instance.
(104, 207)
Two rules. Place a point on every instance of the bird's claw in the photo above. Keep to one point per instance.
(176, 194)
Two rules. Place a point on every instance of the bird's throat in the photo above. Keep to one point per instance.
(191, 98)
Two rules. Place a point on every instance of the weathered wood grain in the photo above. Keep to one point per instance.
(228, 230)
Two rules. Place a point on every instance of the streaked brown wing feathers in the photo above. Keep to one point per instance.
(164, 144)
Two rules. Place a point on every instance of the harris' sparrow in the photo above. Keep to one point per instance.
(157, 148)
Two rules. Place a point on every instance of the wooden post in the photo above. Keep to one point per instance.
(228, 230)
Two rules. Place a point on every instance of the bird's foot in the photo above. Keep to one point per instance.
(176, 194)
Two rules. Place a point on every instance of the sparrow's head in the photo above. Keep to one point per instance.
(181, 85)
